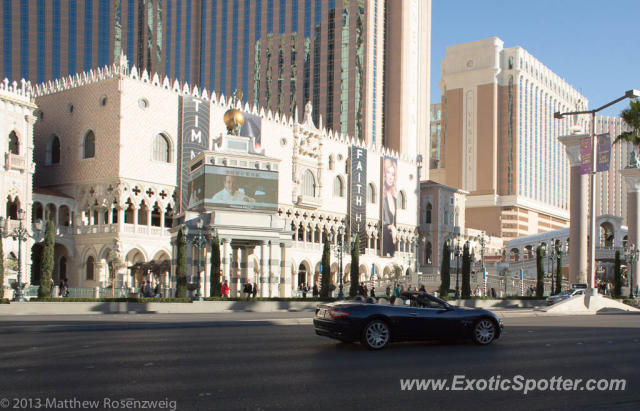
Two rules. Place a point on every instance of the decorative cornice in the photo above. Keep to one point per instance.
(632, 177)
(572, 147)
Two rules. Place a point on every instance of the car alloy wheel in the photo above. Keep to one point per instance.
(484, 332)
(376, 335)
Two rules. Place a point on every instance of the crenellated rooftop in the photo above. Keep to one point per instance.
(121, 69)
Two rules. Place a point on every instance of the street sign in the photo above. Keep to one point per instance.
(603, 153)
(585, 155)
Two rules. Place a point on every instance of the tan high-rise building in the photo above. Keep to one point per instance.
(501, 138)
(363, 64)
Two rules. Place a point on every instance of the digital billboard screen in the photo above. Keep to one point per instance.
(236, 188)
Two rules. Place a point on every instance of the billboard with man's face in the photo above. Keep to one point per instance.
(237, 188)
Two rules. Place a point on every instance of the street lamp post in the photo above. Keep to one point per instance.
(199, 240)
(457, 248)
(543, 250)
(20, 234)
(631, 255)
(592, 189)
(482, 241)
(339, 249)
(553, 255)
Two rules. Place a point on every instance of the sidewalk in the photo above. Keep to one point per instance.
(11, 324)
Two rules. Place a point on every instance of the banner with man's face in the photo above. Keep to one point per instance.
(389, 204)
(237, 188)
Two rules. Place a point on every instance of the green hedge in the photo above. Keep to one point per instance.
(268, 299)
(113, 300)
(4, 301)
(510, 297)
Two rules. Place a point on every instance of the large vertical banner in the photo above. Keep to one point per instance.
(194, 139)
(389, 196)
(358, 196)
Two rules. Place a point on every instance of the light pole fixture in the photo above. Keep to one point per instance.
(553, 255)
(457, 252)
(19, 234)
(199, 240)
(543, 250)
(482, 241)
(592, 189)
(631, 254)
(339, 249)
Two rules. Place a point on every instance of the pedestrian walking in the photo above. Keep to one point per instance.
(422, 288)
(396, 291)
(254, 290)
(305, 289)
(315, 291)
(372, 293)
(224, 290)
(157, 291)
(247, 290)
(65, 288)
(388, 291)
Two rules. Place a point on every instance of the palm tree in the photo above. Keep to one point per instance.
(631, 116)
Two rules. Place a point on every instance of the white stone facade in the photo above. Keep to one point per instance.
(17, 168)
(124, 197)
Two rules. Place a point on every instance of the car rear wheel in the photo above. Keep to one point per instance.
(484, 332)
(376, 335)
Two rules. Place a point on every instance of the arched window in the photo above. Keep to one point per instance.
(12, 208)
(338, 187)
(331, 162)
(89, 145)
(308, 184)
(427, 253)
(403, 200)
(53, 151)
(90, 264)
(371, 193)
(161, 148)
(428, 215)
(14, 143)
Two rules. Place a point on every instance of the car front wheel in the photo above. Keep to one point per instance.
(484, 332)
(376, 335)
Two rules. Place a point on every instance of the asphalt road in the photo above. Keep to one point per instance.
(232, 364)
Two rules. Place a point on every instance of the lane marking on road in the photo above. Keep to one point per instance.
(149, 364)
(579, 343)
(21, 370)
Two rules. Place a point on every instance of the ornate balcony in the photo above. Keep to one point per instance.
(15, 162)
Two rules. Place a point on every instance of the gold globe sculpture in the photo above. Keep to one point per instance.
(233, 119)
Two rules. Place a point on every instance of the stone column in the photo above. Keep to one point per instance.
(274, 278)
(264, 271)
(632, 177)
(225, 261)
(121, 218)
(244, 266)
(162, 213)
(285, 272)
(579, 203)
(235, 271)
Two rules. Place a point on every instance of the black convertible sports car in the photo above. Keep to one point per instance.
(413, 316)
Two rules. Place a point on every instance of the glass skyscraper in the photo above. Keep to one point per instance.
(279, 53)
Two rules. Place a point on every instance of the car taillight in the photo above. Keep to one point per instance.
(338, 314)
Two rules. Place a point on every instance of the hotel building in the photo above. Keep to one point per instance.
(363, 64)
(501, 138)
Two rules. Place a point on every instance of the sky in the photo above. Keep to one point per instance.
(593, 45)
